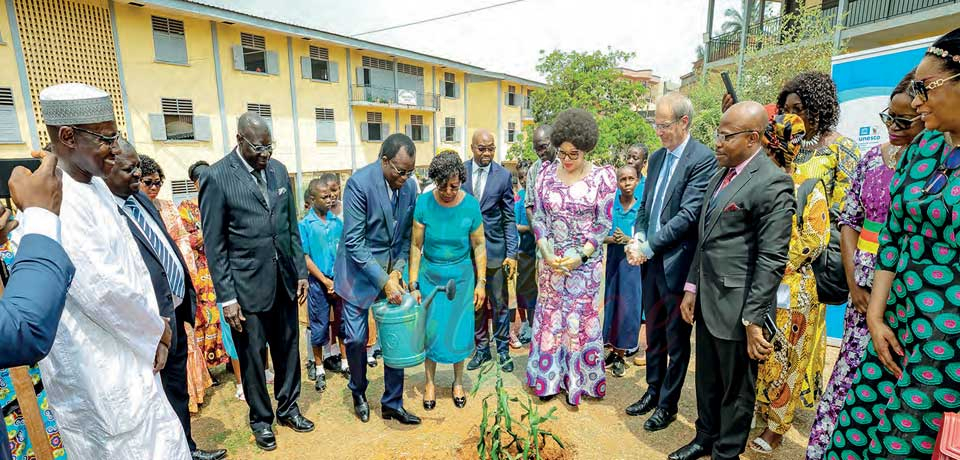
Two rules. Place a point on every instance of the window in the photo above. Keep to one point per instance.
(169, 42)
(318, 66)
(251, 55)
(177, 122)
(450, 131)
(9, 126)
(374, 130)
(417, 130)
(511, 96)
(526, 101)
(183, 189)
(450, 88)
(264, 111)
(410, 69)
(511, 132)
(326, 127)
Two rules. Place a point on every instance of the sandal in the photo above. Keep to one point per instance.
(761, 446)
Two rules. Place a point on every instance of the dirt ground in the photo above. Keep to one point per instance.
(598, 429)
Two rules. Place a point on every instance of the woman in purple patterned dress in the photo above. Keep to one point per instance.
(571, 218)
(864, 213)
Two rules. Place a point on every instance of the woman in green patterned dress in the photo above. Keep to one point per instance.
(910, 375)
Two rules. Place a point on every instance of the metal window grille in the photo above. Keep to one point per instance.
(253, 41)
(416, 119)
(260, 109)
(6, 97)
(374, 117)
(324, 114)
(511, 89)
(374, 63)
(183, 187)
(319, 53)
(167, 25)
(410, 69)
(449, 77)
(512, 126)
(177, 106)
(450, 122)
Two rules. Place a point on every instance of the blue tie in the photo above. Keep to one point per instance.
(653, 224)
(395, 201)
(170, 263)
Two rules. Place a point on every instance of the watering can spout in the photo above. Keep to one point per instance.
(450, 289)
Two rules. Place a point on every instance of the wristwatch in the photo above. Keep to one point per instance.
(415, 286)
(746, 323)
(583, 256)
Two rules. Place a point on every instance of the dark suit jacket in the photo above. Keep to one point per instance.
(186, 311)
(374, 241)
(676, 241)
(743, 244)
(246, 240)
(32, 302)
(497, 208)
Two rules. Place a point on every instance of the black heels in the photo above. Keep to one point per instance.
(459, 402)
(429, 404)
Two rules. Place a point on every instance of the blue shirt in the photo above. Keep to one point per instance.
(625, 218)
(528, 244)
(320, 239)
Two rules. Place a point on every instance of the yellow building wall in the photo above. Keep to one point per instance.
(482, 105)
(10, 77)
(510, 114)
(424, 148)
(148, 81)
(449, 107)
(311, 94)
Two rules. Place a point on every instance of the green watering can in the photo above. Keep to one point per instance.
(402, 328)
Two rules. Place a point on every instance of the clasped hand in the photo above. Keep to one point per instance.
(634, 257)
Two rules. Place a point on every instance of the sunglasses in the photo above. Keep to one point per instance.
(900, 122)
(108, 141)
(258, 148)
(572, 155)
(922, 90)
(486, 148)
(938, 180)
(149, 183)
(400, 172)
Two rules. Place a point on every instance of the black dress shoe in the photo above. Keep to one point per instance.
(401, 416)
(691, 451)
(611, 357)
(618, 367)
(459, 402)
(297, 423)
(643, 406)
(659, 420)
(332, 363)
(547, 398)
(506, 364)
(265, 439)
(311, 370)
(479, 358)
(361, 408)
(208, 454)
(321, 384)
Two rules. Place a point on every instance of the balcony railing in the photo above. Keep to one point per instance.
(858, 12)
(396, 96)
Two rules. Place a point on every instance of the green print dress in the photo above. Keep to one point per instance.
(885, 417)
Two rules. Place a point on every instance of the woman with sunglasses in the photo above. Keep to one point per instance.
(864, 212)
(910, 376)
(572, 216)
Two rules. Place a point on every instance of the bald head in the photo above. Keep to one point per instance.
(254, 140)
(483, 147)
(541, 143)
(738, 136)
(123, 178)
(748, 115)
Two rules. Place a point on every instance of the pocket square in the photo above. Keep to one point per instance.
(281, 191)
(731, 207)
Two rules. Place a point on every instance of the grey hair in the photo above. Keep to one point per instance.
(680, 105)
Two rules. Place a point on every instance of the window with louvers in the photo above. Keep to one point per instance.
(319, 62)
(512, 96)
(254, 52)
(183, 189)
(374, 129)
(264, 111)
(178, 119)
(511, 132)
(450, 132)
(326, 126)
(416, 130)
(9, 126)
(450, 88)
(169, 40)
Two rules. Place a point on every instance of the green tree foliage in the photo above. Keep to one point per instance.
(591, 81)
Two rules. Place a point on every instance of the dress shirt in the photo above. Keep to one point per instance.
(690, 287)
(478, 191)
(41, 222)
(250, 170)
(160, 231)
(663, 181)
(320, 239)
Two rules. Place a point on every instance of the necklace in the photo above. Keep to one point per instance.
(810, 143)
(891, 155)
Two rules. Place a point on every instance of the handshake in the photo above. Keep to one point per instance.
(635, 255)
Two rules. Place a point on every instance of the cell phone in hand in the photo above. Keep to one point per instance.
(729, 85)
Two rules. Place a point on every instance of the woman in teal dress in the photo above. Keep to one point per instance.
(910, 374)
(447, 225)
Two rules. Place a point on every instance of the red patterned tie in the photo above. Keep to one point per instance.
(726, 181)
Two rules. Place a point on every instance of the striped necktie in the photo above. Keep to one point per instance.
(170, 263)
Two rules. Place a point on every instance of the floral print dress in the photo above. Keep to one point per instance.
(566, 352)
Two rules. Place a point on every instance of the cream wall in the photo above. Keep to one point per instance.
(450, 107)
(322, 156)
(10, 77)
(482, 109)
(510, 113)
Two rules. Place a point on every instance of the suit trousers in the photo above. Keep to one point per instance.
(668, 338)
(527, 284)
(173, 377)
(500, 308)
(355, 330)
(726, 392)
(279, 328)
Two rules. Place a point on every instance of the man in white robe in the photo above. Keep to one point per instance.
(101, 374)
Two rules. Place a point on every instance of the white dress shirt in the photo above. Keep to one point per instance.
(478, 191)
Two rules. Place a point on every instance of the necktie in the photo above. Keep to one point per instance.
(726, 181)
(478, 183)
(653, 225)
(261, 184)
(170, 263)
(394, 200)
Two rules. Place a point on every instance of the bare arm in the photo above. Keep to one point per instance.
(416, 250)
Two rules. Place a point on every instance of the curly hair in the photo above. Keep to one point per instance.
(445, 165)
(576, 126)
(193, 172)
(950, 43)
(818, 93)
(148, 166)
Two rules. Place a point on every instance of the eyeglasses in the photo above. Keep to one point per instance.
(150, 183)
(400, 172)
(918, 88)
(572, 155)
(664, 126)
(938, 180)
(258, 148)
(486, 148)
(108, 141)
(901, 122)
(721, 137)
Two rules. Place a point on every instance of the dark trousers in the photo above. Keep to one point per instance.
(278, 328)
(527, 284)
(355, 334)
(173, 377)
(500, 308)
(668, 338)
(726, 392)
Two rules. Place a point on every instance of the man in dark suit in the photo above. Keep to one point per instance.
(252, 240)
(171, 281)
(665, 240)
(744, 236)
(378, 203)
(491, 184)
